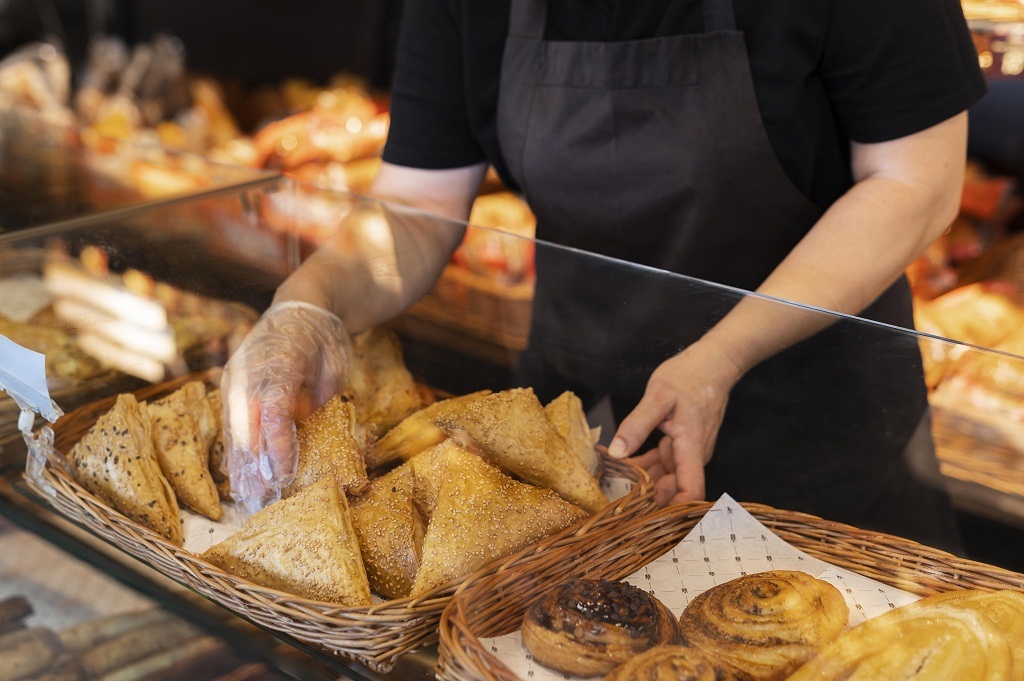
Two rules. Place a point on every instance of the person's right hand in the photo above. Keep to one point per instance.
(291, 363)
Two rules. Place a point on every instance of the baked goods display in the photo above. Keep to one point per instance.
(488, 475)
(588, 627)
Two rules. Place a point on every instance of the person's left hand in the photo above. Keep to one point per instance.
(685, 398)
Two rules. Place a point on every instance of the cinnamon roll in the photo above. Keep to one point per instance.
(671, 663)
(764, 626)
(587, 627)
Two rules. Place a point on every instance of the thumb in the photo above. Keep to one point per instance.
(639, 424)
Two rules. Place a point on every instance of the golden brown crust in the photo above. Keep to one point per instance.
(116, 462)
(567, 416)
(381, 386)
(670, 663)
(390, 531)
(184, 426)
(511, 429)
(329, 446)
(765, 625)
(930, 643)
(481, 515)
(587, 627)
(304, 545)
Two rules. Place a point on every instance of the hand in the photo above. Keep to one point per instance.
(292, 362)
(685, 398)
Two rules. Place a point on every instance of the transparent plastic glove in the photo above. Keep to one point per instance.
(292, 362)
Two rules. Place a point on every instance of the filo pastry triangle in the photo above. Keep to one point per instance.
(116, 462)
(481, 515)
(330, 446)
(184, 426)
(390, 530)
(511, 429)
(303, 545)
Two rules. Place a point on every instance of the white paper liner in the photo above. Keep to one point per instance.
(727, 543)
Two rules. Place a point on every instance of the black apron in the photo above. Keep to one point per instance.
(653, 151)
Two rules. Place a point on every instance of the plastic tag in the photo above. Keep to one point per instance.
(23, 377)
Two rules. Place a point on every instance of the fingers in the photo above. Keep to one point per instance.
(689, 458)
(641, 422)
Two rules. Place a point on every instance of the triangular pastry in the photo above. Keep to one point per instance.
(379, 383)
(429, 470)
(329, 445)
(304, 545)
(512, 431)
(184, 426)
(116, 462)
(218, 453)
(482, 515)
(390, 530)
(567, 416)
(415, 433)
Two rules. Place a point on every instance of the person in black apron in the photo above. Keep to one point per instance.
(654, 151)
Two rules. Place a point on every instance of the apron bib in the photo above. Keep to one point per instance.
(653, 151)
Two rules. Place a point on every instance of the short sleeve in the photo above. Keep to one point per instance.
(430, 126)
(896, 67)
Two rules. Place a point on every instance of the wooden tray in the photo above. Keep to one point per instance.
(375, 635)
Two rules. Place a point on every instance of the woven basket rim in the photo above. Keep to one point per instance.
(915, 567)
(414, 618)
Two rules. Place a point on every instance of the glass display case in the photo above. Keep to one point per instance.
(57, 174)
(844, 414)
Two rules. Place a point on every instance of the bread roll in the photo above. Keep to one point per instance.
(764, 626)
(588, 627)
(671, 663)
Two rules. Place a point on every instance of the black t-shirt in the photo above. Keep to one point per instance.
(825, 72)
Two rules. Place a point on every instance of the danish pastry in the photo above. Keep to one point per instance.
(588, 627)
(763, 626)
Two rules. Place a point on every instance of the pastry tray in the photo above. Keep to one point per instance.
(375, 635)
(494, 605)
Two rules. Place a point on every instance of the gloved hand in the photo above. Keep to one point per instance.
(291, 363)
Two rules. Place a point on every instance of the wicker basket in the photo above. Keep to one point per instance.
(375, 635)
(495, 604)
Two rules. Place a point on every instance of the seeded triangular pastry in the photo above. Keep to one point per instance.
(304, 545)
(415, 433)
(567, 416)
(429, 471)
(329, 446)
(481, 515)
(512, 431)
(184, 427)
(390, 531)
(116, 462)
(379, 383)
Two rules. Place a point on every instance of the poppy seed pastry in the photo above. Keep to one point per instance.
(588, 627)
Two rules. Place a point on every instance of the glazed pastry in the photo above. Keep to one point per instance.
(918, 643)
(671, 663)
(588, 627)
(765, 625)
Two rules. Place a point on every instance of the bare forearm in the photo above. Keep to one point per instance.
(857, 249)
(386, 256)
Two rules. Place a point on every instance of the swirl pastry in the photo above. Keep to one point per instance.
(764, 626)
(587, 627)
(918, 643)
(671, 663)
